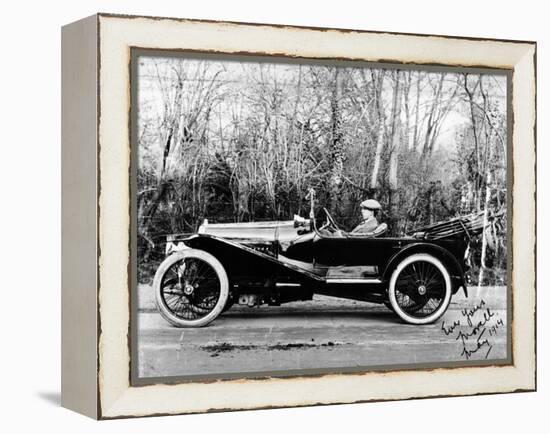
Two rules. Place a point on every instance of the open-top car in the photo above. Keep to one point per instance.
(270, 263)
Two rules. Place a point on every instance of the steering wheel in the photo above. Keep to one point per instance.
(330, 224)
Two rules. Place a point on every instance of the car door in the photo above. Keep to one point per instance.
(355, 251)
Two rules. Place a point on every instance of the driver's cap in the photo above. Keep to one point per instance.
(370, 204)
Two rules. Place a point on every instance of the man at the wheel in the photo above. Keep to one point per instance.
(369, 208)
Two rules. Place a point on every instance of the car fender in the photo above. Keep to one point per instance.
(439, 252)
(237, 255)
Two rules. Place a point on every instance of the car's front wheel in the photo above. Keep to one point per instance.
(420, 289)
(191, 288)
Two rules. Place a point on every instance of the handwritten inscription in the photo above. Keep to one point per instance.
(449, 329)
(474, 329)
(469, 313)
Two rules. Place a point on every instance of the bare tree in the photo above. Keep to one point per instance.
(378, 80)
(245, 142)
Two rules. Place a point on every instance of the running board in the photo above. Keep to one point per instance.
(353, 281)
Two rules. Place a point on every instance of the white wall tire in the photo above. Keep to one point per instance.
(172, 290)
(434, 283)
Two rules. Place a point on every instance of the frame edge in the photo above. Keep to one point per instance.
(79, 102)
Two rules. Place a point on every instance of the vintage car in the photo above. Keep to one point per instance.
(271, 263)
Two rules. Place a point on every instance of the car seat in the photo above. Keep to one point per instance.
(380, 230)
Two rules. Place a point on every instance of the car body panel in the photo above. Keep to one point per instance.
(257, 260)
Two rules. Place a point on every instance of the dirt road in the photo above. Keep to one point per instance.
(325, 333)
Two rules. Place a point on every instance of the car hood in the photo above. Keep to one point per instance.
(268, 231)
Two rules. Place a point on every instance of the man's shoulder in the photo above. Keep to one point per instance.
(366, 226)
(371, 223)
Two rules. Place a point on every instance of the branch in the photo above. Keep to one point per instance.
(353, 184)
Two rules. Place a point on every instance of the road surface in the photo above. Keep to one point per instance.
(325, 333)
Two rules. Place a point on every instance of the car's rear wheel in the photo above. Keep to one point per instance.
(420, 289)
(191, 288)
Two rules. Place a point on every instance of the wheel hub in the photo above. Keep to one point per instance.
(188, 289)
(422, 290)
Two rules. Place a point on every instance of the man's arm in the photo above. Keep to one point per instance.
(365, 227)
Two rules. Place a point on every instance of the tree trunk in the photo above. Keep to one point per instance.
(336, 145)
(431, 126)
(406, 92)
(482, 265)
(477, 180)
(395, 132)
(417, 111)
(380, 133)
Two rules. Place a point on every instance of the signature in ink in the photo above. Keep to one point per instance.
(469, 313)
(449, 329)
(474, 329)
(479, 344)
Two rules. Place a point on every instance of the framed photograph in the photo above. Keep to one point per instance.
(261, 216)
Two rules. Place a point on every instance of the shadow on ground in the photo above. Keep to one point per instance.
(52, 398)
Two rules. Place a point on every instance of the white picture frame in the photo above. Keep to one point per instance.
(96, 304)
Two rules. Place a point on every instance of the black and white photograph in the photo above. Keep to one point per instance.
(280, 217)
(297, 217)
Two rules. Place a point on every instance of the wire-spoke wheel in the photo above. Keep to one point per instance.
(420, 289)
(388, 305)
(191, 288)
